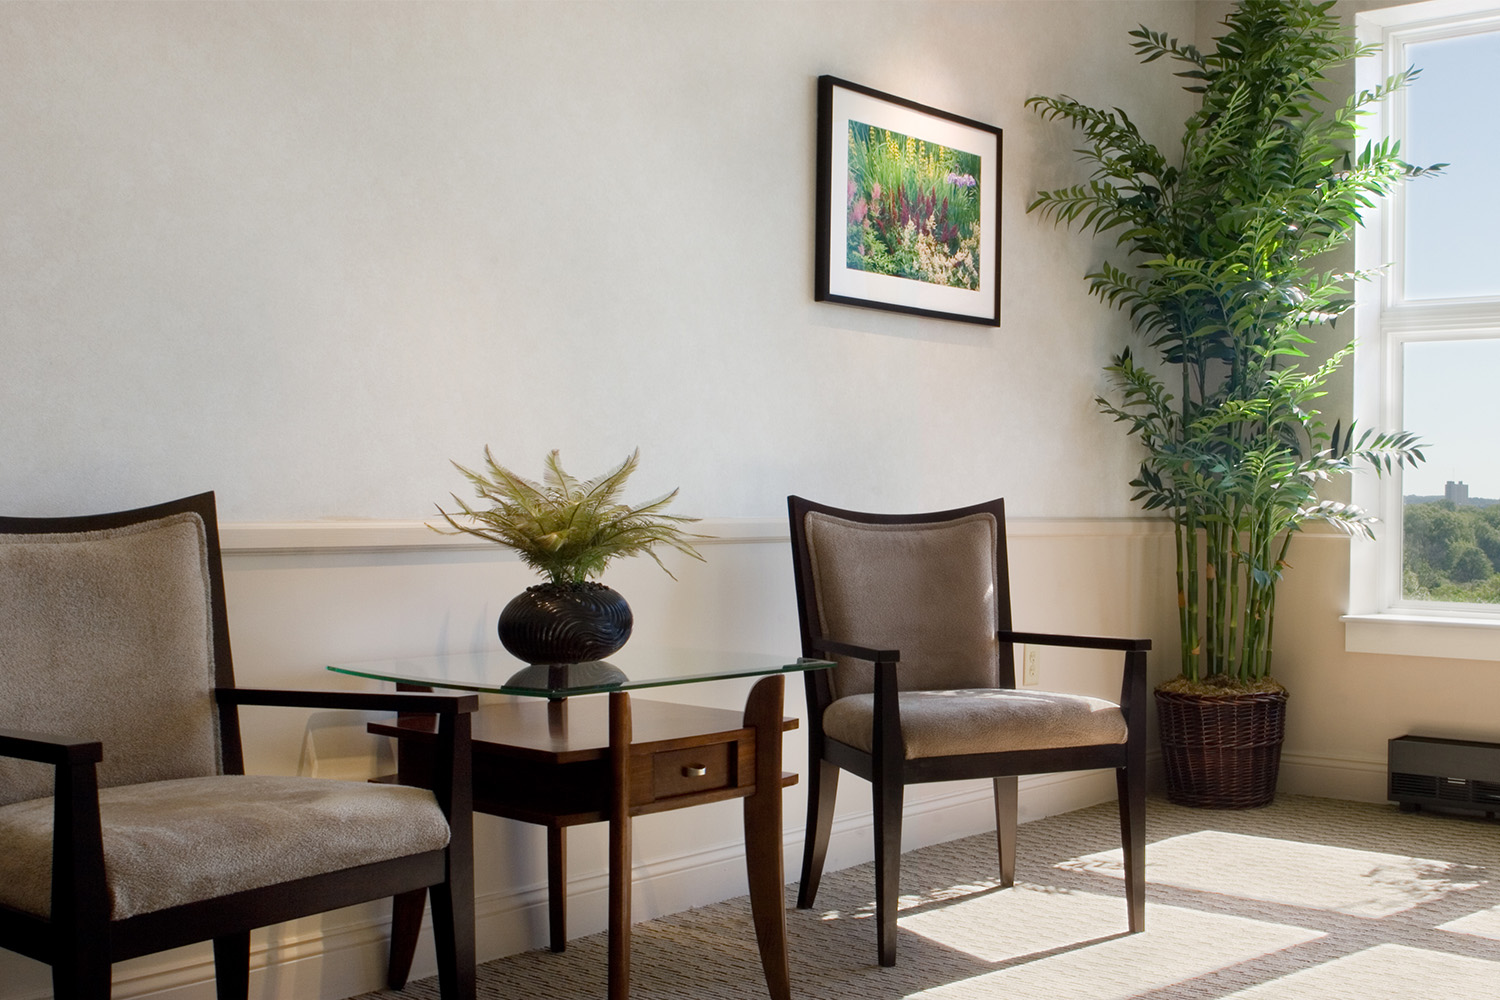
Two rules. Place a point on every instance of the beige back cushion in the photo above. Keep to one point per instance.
(104, 635)
(927, 590)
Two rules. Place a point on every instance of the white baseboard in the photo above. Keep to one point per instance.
(1333, 777)
(344, 953)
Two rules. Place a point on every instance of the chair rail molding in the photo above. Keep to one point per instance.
(410, 535)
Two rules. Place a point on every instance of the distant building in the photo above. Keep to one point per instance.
(1457, 493)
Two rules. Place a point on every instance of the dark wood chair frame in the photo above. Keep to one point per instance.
(81, 942)
(889, 772)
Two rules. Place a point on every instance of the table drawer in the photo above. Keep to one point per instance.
(696, 769)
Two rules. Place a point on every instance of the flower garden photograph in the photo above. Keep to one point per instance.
(913, 208)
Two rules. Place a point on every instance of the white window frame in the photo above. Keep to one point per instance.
(1380, 619)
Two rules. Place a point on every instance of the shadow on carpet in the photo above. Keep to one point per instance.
(1306, 899)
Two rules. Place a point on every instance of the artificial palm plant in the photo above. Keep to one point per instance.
(568, 531)
(1227, 275)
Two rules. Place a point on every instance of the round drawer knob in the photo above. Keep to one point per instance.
(694, 771)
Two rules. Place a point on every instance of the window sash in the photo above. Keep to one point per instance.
(1386, 321)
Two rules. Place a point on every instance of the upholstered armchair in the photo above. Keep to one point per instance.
(127, 823)
(915, 610)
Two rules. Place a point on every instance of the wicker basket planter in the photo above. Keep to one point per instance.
(1222, 751)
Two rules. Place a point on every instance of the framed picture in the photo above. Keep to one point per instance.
(908, 206)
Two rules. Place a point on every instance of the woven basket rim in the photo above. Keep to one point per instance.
(1228, 697)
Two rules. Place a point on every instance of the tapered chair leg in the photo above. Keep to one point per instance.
(1132, 789)
(822, 787)
(1006, 813)
(406, 926)
(888, 803)
(232, 966)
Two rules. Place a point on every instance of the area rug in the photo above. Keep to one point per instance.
(1306, 899)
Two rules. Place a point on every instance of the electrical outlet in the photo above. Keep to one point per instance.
(1030, 666)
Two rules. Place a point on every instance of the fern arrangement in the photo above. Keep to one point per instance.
(567, 530)
(1226, 241)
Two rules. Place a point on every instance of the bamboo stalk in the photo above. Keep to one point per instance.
(1184, 633)
(1194, 640)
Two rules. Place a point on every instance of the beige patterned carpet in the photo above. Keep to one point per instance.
(1307, 899)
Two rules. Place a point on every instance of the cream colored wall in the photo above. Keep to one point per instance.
(304, 254)
(1345, 706)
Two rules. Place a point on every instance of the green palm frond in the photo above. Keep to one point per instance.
(1226, 246)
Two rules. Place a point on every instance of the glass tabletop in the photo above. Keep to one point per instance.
(632, 668)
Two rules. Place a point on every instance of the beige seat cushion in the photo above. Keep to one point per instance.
(172, 842)
(991, 720)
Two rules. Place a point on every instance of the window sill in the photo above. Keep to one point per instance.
(1451, 638)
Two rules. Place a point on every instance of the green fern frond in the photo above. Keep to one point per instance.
(565, 529)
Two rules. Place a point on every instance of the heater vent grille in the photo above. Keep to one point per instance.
(1453, 789)
(1413, 786)
(1444, 773)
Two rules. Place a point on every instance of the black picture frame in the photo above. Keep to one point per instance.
(947, 264)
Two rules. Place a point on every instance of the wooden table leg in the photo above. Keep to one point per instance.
(557, 886)
(557, 846)
(619, 846)
(763, 862)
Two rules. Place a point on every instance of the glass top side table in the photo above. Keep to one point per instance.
(552, 758)
(631, 669)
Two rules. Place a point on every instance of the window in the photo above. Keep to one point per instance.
(1428, 332)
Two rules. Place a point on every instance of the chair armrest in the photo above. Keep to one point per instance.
(452, 779)
(49, 749)
(80, 901)
(1077, 641)
(858, 652)
(886, 751)
(887, 734)
(1133, 678)
(358, 701)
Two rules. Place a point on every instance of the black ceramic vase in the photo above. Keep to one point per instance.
(565, 623)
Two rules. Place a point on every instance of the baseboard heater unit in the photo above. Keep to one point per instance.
(1427, 772)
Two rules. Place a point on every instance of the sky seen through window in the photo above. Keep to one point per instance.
(1451, 252)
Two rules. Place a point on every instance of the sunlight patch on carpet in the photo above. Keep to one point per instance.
(1485, 924)
(1291, 873)
(1078, 947)
(1386, 972)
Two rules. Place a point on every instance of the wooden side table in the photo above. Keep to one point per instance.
(609, 759)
